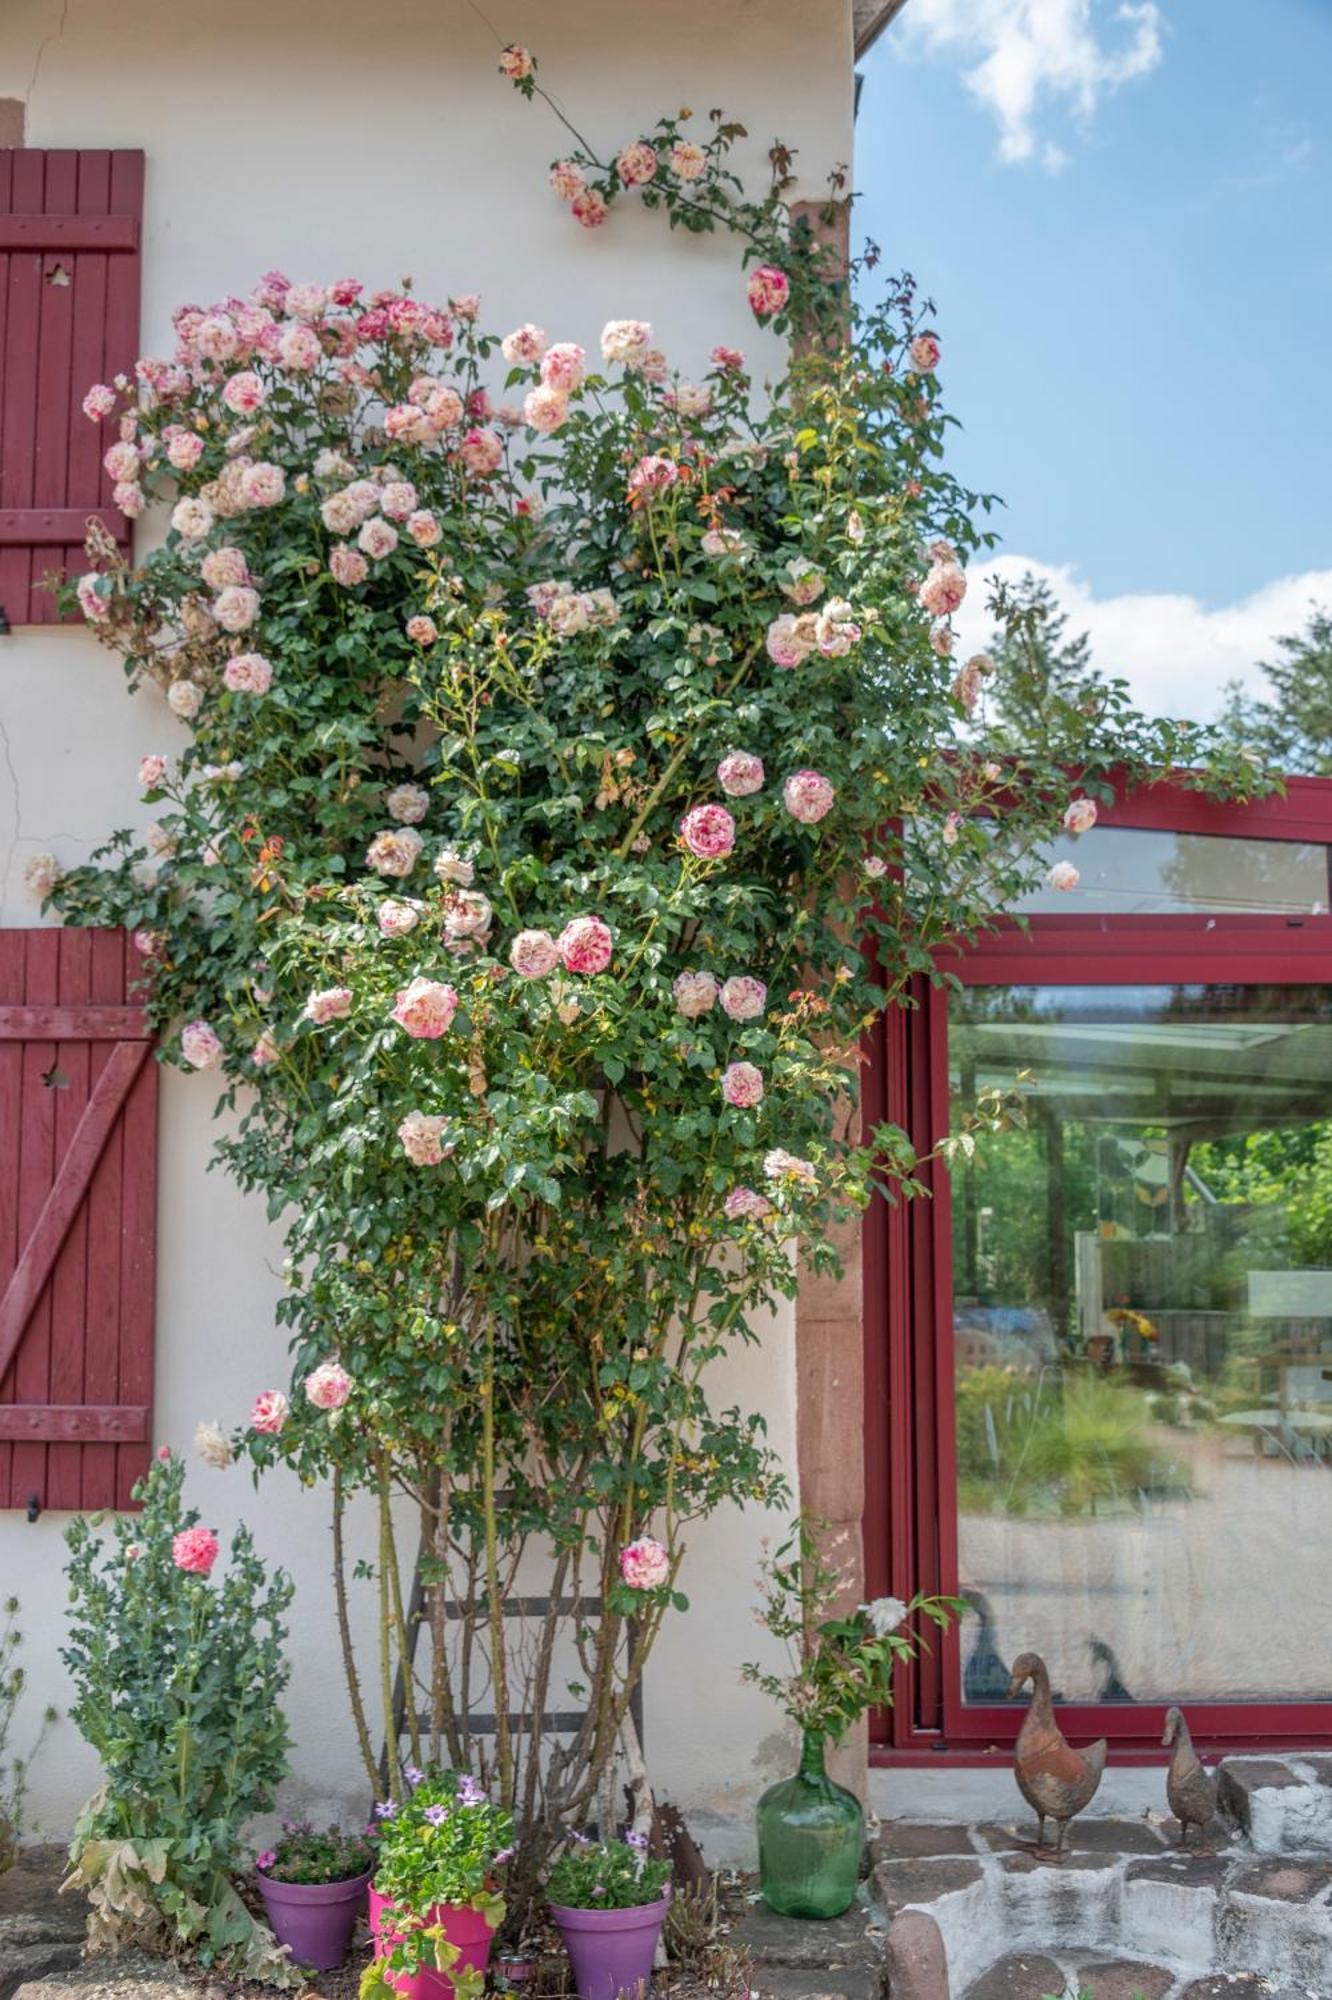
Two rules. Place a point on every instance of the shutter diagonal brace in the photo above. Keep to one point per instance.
(62, 1203)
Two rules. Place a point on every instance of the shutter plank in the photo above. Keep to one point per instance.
(105, 1199)
(69, 1277)
(29, 1366)
(11, 1098)
(138, 1275)
(18, 417)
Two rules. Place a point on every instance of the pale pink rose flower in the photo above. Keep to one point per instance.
(339, 513)
(874, 867)
(768, 290)
(377, 539)
(725, 542)
(425, 1009)
(740, 773)
(223, 567)
(729, 358)
(590, 208)
(407, 804)
(941, 638)
(305, 301)
(808, 796)
(423, 529)
(789, 1168)
(695, 993)
(651, 365)
(468, 914)
(585, 945)
(835, 630)
(328, 1386)
(121, 462)
(952, 829)
(236, 607)
(444, 408)
(331, 1003)
(270, 1412)
(1080, 816)
(263, 485)
(195, 1550)
(347, 565)
(451, 867)
(708, 831)
(744, 998)
(742, 1085)
(397, 499)
(265, 1051)
(803, 583)
(395, 918)
(544, 409)
(691, 399)
(129, 498)
(482, 452)
(212, 1445)
(215, 337)
(624, 340)
(652, 474)
(298, 348)
(200, 1046)
(517, 64)
(422, 631)
(41, 873)
(925, 351)
(636, 164)
(1063, 876)
(184, 450)
(467, 305)
(534, 954)
(408, 424)
(524, 345)
(941, 552)
(567, 180)
(244, 394)
(99, 402)
(152, 772)
(395, 851)
(943, 589)
(91, 601)
(422, 1136)
(789, 640)
(688, 161)
(563, 367)
(645, 1564)
(743, 1203)
(248, 673)
(967, 681)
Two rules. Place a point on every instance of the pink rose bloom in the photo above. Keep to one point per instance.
(129, 498)
(194, 1550)
(789, 1168)
(99, 402)
(1063, 876)
(146, 943)
(636, 164)
(468, 915)
(395, 851)
(41, 873)
(695, 993)
(708, 831)
(347, 565)
(516, 63)
(422, 631)
(567, 180)
(952, 827)
(305, 301)
(236, 607)
(524, 345)
(200, 1046)
(396, 918)
(1080, 816)
(248, 673)
(743, 1203)
(397, 499)
(265, 1051)
(331, 1003)
(328, 1386)
(298, 348)
(215, 337)
(422, 1137)
(789, 640)
(423, 529)
(652, 474)
(184, 450)
(244, 393)
(444, 408)
(482, 452)
(835, 630)
(967, 681)
(192, 518)
(425, 1009)
(740, 773)
(223, 567)
(152, 770)
(768, 290)
(407, 804)
(121, 462)
(377, 539)
(742, 1085)
(590, 208)
(744, 998)
(585, 945)
(941, 638)
(645, 1564)
(562, 366)
(625, 340)
(451, 867)
(545, 409)
(91, 602)
(270, 1412)
(408, 424)
(184, 699)
(925, 353)
(688, 161)
(534, 954)
(467, 305)
(943, 589)
(808, 796)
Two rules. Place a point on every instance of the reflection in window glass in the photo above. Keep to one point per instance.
(1135, 870)
(1143, 1341)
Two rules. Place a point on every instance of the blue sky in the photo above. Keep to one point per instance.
(1124, 213)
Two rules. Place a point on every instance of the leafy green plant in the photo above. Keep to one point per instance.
(1063, 1442)
(306, 1855)
(442, 1846)
(178, 1678)
(13, 1768)
(607, 1875)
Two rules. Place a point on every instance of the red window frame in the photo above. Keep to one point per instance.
(910, 1522)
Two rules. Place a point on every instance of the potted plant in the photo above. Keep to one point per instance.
(811, 1831)
(313, 1886)
(608, 1900)
(435, 1901)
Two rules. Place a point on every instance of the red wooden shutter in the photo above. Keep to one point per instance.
(69, 309)
(78, 1176)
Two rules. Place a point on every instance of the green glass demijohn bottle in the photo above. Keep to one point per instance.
(811, 1833)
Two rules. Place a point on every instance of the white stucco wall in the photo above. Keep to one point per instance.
(379, 141)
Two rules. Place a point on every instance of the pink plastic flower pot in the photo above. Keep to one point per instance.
(466, 1929)
(314, 1919)
(611, 1951)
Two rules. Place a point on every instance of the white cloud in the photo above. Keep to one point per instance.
(1022, 57)
(1176, 654)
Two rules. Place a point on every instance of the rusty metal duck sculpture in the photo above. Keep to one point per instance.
(1191, 1793)
(1056, 1780)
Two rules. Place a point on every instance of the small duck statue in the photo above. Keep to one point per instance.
(1189, 1790)
(1056, 1780)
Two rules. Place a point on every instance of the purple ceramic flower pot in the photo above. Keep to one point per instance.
(611, 1951)
(314, 1919)
(466, 1929)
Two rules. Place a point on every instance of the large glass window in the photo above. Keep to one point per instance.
(1143, 1341)
(1132, 871)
